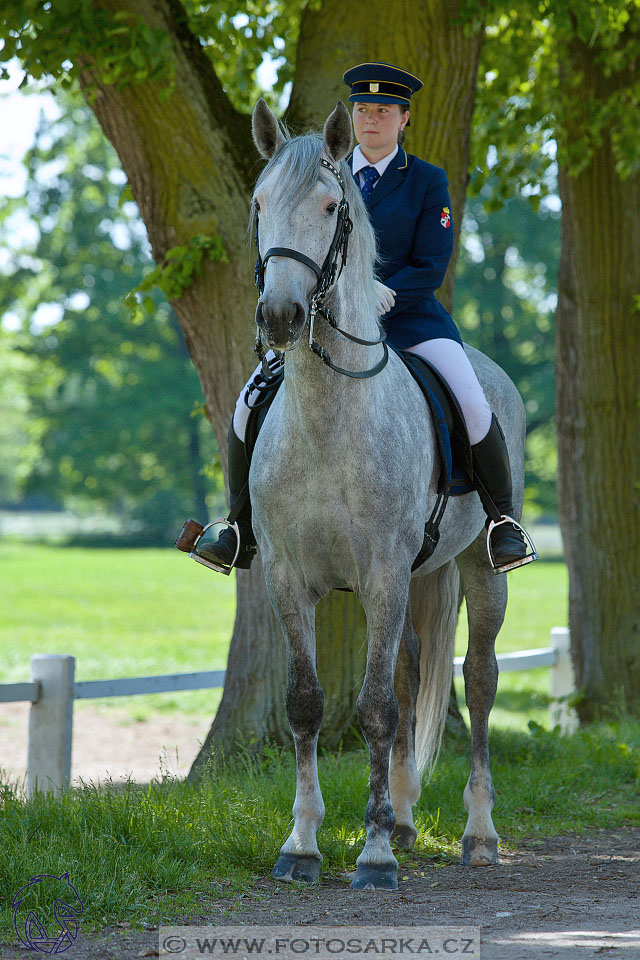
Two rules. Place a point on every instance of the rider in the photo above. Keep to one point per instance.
(409, 207)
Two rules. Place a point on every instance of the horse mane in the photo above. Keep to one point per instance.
(299, 169)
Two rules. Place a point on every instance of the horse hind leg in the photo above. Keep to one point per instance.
(300, 858)
(404, 780)
(486, 596)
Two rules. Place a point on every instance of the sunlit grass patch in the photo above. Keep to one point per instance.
(151, 853)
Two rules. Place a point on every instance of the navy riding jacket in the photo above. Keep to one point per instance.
(410, 211)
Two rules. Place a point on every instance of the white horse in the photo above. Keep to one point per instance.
(342, 479)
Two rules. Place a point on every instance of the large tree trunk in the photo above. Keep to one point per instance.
(190, 164)
(598, 415)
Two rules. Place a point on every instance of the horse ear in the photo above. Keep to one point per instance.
(337, 132)
(267, 135)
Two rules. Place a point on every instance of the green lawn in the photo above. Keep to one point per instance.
(151, 853)
(120, 613)
(138, 612)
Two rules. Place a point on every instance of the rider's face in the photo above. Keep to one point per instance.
(377, 126)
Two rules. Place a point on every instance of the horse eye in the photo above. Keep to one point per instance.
(257, 206)
(332, 208)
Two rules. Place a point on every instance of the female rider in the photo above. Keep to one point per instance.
(409, 207)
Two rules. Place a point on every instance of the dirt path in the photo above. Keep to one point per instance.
(108, 742)
(569, 898)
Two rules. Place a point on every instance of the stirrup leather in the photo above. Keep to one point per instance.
(528, 558)
(219, 567)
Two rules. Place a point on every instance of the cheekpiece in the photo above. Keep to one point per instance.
(381, 83)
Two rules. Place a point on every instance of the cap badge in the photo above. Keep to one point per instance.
(374, 87)
(445, 217)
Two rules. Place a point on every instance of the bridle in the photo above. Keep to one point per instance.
(328, 274)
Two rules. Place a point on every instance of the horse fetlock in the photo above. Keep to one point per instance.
(404, 836)
(479, 795)
(308, 814)
(404, 783)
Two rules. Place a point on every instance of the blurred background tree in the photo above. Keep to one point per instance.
(99, 434)
(505, 298)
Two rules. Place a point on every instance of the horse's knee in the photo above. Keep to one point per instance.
(378, 713)
(305, 700)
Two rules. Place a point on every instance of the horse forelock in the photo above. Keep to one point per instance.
(297, 163)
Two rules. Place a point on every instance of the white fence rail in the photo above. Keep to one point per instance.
(52, 690)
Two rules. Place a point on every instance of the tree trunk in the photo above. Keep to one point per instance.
(598, 415)
(190, 164)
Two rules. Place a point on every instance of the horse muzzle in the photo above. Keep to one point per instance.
(281, 321)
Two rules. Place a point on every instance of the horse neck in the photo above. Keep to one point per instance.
(314, 392)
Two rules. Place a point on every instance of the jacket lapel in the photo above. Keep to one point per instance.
(392, 177)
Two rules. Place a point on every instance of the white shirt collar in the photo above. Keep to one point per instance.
(360, 161)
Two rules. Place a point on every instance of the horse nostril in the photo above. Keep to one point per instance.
(299, 316)
(261, 319)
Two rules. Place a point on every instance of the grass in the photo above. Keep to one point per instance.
(128, 613)
(120, 613)
(154, 853)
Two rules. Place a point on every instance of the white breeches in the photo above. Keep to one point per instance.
(449, 358)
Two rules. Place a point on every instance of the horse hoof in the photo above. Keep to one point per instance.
(294, 867)
(477, 852)
(404, 837)
(370, 877)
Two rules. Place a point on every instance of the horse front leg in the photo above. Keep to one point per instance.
(405, 783)
(486, 596)
(300, 858)
(376, 867)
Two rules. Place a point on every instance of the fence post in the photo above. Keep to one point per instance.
(51, 724)
(562, 681)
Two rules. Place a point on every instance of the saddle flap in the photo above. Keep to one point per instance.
(435, 387)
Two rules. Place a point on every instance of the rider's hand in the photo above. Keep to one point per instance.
(385, 298)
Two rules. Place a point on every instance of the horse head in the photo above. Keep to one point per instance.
(297, 203)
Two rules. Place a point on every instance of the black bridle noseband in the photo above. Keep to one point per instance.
(327, 275)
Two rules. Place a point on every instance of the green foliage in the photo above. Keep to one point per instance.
(149, 853)
(237, 43)
(504, 304)
(181, 266)
(113, 398)
(20, 431)
(51, 41)
(532, 64)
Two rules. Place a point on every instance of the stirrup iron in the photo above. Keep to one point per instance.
(528, 558)
(218, 567)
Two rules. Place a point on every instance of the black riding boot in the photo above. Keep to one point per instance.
(224, 549)
(493, 474)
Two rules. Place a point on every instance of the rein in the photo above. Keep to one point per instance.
(327, 275)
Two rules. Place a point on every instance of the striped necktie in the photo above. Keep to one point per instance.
(370, 177)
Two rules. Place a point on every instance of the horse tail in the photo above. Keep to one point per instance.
(435, 601)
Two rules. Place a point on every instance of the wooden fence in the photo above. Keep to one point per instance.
(53, 689)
